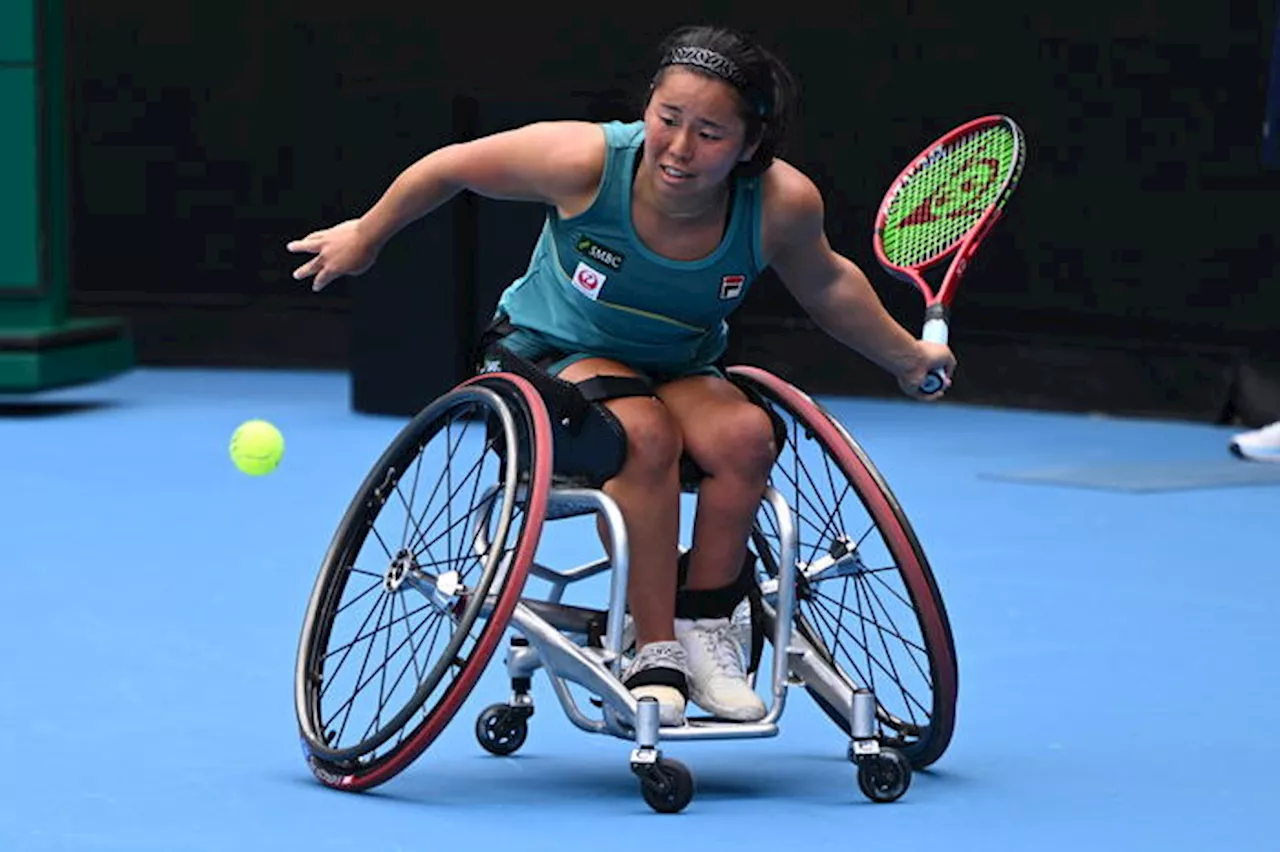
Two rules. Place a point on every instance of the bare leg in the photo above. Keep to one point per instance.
(731, 440)
(647, 491)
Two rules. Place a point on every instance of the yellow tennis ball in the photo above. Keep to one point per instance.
(257, 447)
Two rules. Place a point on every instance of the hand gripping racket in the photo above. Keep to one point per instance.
(942, 205)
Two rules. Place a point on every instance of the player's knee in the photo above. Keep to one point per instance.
(653, 438)
(741, 442)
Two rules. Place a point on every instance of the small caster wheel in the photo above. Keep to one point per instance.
(501, 728)
(667, 785)
(884, 777)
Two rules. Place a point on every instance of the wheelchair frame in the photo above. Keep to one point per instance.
(599, 671)
(558, 639)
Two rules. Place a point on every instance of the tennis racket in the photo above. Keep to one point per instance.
(943, 205)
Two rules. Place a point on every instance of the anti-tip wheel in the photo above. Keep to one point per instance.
(667, 786)
(501, 729)
(884, 777)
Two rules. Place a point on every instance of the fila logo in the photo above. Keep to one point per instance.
(587, 281)
(731, 286)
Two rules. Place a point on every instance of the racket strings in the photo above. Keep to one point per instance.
(947, 194)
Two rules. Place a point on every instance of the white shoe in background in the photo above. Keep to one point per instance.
(1259, 445)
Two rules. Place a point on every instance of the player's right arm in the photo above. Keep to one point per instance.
(557, 163)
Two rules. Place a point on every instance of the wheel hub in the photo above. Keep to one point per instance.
(842, 560)
(401, 567)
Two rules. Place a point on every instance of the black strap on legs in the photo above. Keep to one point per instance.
(660, 676)
(569, 400)
(601, 388)
(720, 603)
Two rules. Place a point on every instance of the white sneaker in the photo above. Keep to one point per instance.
(717, 681)
(1259, 445)
(660, 670)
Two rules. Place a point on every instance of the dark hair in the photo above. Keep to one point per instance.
(766, 88)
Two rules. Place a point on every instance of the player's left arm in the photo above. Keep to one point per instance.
(830, 287)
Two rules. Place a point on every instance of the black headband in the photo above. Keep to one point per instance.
(719, 65)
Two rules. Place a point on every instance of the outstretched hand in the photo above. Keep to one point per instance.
(340, 250)
(929, 357)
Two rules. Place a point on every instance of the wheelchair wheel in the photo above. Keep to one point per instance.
(412, 600)
(867, 599)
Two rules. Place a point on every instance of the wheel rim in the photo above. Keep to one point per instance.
(869, 604)
(427, 573)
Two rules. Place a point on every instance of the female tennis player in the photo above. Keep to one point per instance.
(655, 230)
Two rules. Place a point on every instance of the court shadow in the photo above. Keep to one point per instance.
(930, 775)
(522, 780)
(37, 409)
(551, 782)
(542, 780)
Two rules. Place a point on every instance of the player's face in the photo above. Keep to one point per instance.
(694, 132)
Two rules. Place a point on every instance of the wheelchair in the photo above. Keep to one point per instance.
(412, 601)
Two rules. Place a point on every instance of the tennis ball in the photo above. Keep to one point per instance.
(256, 447)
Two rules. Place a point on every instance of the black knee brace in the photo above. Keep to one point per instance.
(589, 441)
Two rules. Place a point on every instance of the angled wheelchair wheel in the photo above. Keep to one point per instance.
(866, 597)
(421, 579)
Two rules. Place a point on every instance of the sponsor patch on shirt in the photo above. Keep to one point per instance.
(600, 253)
(731, 286)
(588, 281)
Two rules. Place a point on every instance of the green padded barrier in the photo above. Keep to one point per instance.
(40, 346)
(19, 195)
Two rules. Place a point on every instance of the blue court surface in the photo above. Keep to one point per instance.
(1117, 646)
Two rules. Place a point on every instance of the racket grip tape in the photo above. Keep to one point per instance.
(935, 331)
(936, 325)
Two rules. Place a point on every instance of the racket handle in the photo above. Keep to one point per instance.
(935, 331)
(933, 382)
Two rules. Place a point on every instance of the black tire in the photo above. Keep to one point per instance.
(471, 589)
(502, 729)
(918, 718)
(672, 790)
(884, 777)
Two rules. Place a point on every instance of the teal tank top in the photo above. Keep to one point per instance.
(593, 287)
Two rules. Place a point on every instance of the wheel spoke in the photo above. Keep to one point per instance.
(871, 625)
(381, 668)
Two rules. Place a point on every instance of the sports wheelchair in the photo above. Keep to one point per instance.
(411, 602)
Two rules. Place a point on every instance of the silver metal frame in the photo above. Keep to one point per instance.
(595, 663)
(568, 659)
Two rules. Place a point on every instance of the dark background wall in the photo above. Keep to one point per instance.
(1135, 272)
